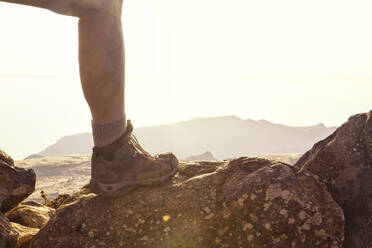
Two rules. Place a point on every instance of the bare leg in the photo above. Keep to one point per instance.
(101, 52)
(101, 59)
(119, 163)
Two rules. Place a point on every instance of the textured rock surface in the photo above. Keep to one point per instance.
(246, 202)
(343, 161)
(15, 183)
(8, 238)
(30, 214)
(25, 235)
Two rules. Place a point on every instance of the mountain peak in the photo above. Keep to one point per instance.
(263, 121)
(321, 125)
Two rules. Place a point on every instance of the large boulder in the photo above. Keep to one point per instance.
(15, 183)
(8, 238)
(245, 202)
(30, 214)
(343, 161)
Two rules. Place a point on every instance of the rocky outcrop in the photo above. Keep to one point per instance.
(324, 200)
(30, 214)
(246, 202)
(8, 238)
(343, 161)
(15, 183)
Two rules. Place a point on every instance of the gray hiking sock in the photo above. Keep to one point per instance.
(106, 133)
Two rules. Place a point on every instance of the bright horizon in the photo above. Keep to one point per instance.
(292, 62)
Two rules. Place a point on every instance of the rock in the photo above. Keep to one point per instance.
(25, 235)
(15, 183)
(289, 158)
(343, 161)
(8, 238)
(6, 158)
(192, 169)
(30, 214)
(245, 202)
(207, 156)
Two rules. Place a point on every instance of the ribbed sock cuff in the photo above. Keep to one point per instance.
(106, 133)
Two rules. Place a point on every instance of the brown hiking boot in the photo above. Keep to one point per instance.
(124, 165)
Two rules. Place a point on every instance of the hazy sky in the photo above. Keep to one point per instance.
(294, 62)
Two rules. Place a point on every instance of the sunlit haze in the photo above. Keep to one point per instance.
(292, 62)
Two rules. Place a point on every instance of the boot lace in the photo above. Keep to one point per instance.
(138, 150)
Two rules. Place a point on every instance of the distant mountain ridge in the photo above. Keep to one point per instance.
(206, 156)
(225, 137)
